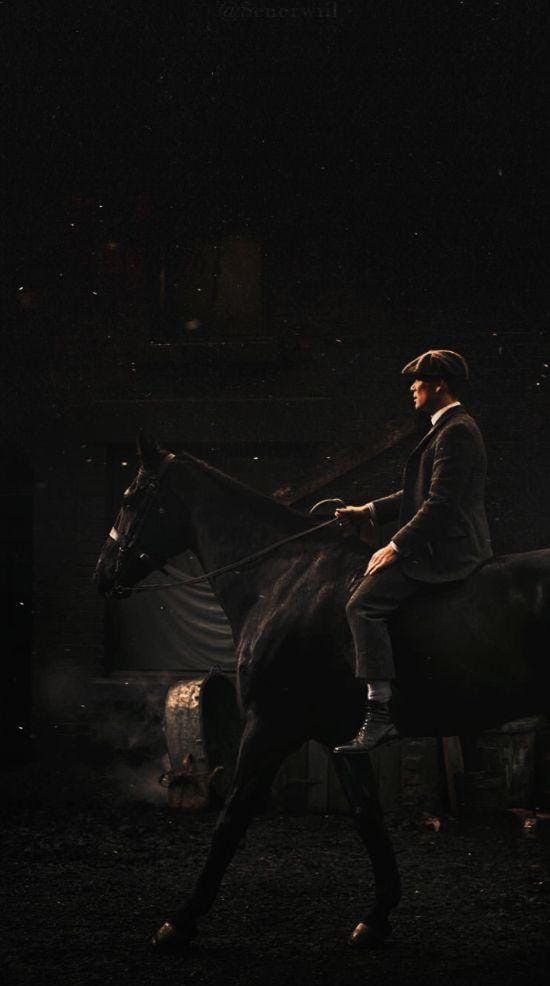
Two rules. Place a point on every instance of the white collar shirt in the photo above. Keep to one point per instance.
(438, 414)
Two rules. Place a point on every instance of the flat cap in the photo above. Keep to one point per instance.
(438, 363)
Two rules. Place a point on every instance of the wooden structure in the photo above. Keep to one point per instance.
(345, 460)
(408, 774)
(501, 766)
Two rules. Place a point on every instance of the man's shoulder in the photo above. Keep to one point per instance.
(460, 424)
(458, 418)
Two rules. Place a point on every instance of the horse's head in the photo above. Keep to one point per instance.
(149, 527)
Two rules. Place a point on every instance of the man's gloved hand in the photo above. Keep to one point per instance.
(348, 516)
(359, 520)
(353, 514)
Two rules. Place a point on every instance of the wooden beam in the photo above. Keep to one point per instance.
(347, 460)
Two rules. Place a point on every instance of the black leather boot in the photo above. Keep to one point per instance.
(377, 728)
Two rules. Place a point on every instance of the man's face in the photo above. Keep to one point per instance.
(427, 394)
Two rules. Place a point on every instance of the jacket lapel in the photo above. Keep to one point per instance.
(442, 420)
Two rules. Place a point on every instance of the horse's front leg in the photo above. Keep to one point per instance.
(260, 755)
(357, 778)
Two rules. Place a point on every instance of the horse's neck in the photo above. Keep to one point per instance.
(228, 522)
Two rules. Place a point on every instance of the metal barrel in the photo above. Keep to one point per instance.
(201, 718)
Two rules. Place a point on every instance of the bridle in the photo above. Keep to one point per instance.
(127, 543)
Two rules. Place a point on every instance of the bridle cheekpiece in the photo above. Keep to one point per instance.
(127, 542)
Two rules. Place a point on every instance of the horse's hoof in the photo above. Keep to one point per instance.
(369, 935)
(168, 938)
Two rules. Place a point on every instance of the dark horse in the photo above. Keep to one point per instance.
(469, 655)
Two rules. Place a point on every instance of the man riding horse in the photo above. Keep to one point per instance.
(443, 533)
(469, 655)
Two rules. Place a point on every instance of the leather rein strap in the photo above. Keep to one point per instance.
(234, 565)
(216, 571)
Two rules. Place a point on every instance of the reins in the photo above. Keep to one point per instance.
(233, 567)
(127, 541)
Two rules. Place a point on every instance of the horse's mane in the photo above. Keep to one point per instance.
(271, 509)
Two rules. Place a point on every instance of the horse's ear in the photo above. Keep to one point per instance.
(148, 451)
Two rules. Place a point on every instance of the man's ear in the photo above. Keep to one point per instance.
(148, 451)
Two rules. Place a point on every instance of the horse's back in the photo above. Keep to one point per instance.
(476, 650)
(522, 579)
(516, 577)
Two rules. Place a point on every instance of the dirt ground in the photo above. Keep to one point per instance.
(86, 883)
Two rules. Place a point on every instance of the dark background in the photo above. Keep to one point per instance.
(389, 158)
(406, 140)
(386, 161)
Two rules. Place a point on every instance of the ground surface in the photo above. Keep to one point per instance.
(85, 885)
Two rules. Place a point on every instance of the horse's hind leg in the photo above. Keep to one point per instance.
(357, 778)
(260, 756)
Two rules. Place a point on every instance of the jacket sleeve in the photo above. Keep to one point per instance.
(387, 507)
(454, 456)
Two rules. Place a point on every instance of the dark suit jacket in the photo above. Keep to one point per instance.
(443, 532)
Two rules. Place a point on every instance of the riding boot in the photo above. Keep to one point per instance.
(377, 728)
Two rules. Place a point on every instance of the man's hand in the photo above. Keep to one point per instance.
(380, 559)
(350, 516)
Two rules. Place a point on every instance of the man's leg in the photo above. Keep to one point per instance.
(368, 610)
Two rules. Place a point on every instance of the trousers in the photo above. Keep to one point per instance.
(370, 605)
